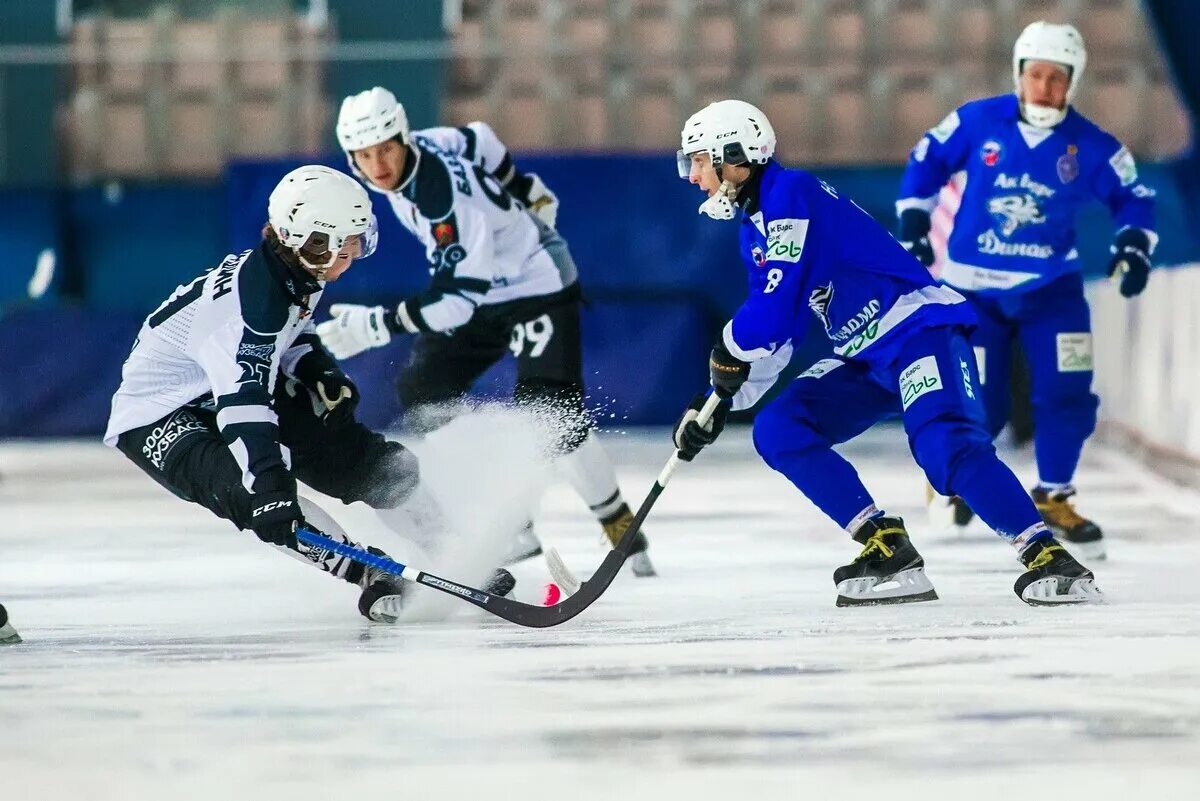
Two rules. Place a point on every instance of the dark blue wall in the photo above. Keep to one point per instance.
(660, 279)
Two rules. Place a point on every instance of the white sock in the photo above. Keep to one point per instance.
(1054, 488)
(591, 474)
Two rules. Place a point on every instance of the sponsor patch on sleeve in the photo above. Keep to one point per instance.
(919, 378)
(822, 367)
(785, 239)
(1124, 166)
(1074, 353)
(946, 128)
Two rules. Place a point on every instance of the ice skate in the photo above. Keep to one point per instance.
(382, 597)
(947, 512)
(615, 526)
(8, 635)
(1084, 536)
(1052, 576)
(888, 571)
(526, 545)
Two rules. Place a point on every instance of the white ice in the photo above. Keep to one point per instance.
(169, 657)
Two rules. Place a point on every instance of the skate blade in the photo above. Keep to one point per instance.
(1094, 551)
(641, 565)
(386, 609)
(9, 637)
(1048, 592)
(906, 587)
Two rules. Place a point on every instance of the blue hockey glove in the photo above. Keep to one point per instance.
(727, 371)
(913, 234)
(690, 436)
(1131, 261)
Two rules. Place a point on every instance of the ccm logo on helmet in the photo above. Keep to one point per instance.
(324, 224)
(269, 506)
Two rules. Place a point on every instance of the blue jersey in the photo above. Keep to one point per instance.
(811, 251)
(1015, 229)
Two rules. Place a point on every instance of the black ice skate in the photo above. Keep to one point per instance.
(947, 512)
(639, 558)
(1052, 576)
(1084, 536)
(383, 594)
(888, 571)
(8, 635)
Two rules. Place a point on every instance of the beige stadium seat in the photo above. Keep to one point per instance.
(469, 68)
(85, 51)
(527, 122)
(461, 109)
(845, 36)
(1111, 100)
(974, 30)
(260, 128)
(915, 108)
(784, 29)
(653, 30)
(127, 44)
(198, 50)
(908, 31)
(1028, 11)
(262, 54)
(587, 115)
(1114, 27)
(656, 121)
(125, 142)
(792, 112)
(848, 121)
(193, 144)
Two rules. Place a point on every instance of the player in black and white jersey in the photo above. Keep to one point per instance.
(228, 397)
(503, 280)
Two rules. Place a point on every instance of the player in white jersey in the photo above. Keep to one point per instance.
(228, 396)
(503, 280)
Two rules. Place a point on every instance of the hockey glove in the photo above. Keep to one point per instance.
(336, 395)
(913, 234)
(274, 517)
(727, 372)
(1131, 261)
(690, 436)
(535, 196)
(354, 329)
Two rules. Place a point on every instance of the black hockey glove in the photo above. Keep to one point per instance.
(274, 517)
(727, 371)
(690, 436)
(336, 397)
(1131, 261)
(913, 234)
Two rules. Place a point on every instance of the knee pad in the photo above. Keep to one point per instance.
(391, 474)
(560, 407)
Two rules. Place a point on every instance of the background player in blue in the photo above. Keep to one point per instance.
(1031, 162)
(900, 347)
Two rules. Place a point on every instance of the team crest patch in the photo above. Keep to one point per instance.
(760, 258)
(991, 152)
(444, 234)
(1068, 165)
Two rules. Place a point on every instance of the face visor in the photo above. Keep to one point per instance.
(319, 251)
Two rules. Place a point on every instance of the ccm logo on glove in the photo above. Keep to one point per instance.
(269, 507)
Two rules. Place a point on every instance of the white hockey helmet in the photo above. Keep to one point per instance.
(1045, 41)
(730, 132)
(316, 201)
(369, 118)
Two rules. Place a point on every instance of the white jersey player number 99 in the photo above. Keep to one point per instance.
(537, 333)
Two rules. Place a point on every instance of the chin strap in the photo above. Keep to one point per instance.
(720, 205)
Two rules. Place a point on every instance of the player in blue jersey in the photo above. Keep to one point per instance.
(1032, 161)
(900, 349)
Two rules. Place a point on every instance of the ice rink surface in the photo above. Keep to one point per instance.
(169, 657)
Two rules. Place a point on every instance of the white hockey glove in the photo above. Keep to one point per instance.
(354, 329)
(542, 201)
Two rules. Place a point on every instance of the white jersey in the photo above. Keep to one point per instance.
(483, 246)
(222, 340)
